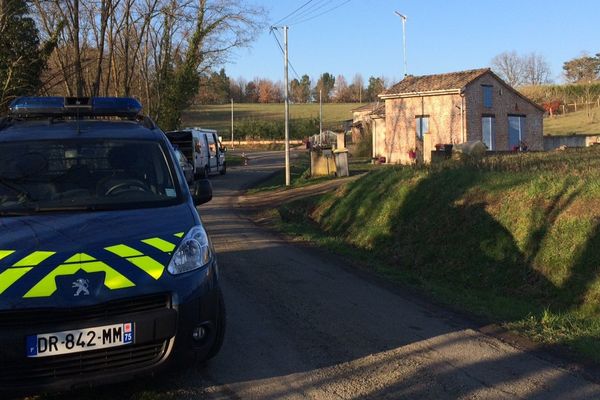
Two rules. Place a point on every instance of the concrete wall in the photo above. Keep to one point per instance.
(554, 142)
(322, 164)
(505, 102)
(445, 127)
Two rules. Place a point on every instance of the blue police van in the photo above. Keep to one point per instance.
(106, 271)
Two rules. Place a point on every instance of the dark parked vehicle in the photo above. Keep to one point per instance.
(106, 271)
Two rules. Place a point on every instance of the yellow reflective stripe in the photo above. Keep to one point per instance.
(34, 259)
(160, 244)
(47, 286)
(179, 235)
(124, 251)
(149, 265)
(10, 276)
(80, 257)
(5, 253)
(145, 263)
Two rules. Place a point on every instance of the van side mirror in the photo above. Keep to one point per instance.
(202, 192)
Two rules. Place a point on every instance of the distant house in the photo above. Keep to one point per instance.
(424, 111)
(362, 121)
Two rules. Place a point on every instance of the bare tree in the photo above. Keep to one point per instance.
(152, 49)
(536, 70)
(509, 66)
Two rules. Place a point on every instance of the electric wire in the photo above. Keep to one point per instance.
(293, 12)
(321, 14)
(314, 8)
(283, 52)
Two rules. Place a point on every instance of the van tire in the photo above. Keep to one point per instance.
(223, 170)
(220, 327)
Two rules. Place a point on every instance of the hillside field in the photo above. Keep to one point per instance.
(573, 123)
(219, 116)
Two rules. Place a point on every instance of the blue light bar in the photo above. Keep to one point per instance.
(109, 106)
(37, 105)
(28, 107)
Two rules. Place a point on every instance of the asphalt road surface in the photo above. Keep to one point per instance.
(302, 324)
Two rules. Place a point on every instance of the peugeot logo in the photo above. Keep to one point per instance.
(82, 286)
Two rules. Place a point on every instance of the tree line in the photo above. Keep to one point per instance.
(218, 88)
(154, 50)
(533, 69)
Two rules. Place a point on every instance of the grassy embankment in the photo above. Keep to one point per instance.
(515, 239)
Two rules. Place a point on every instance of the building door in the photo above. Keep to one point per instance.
(516, 131)
(488, 130)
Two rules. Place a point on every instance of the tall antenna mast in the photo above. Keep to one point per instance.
(404, 19)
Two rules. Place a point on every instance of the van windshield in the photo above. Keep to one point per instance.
(42, 176)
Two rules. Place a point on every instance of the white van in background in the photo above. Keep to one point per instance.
(203, 148)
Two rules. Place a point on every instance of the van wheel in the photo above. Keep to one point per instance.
(206, 171)
(220, 326)
(223, 171)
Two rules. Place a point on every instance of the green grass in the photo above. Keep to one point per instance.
(219, 116)
(587, 122)
(234, 160)
(299, 174)
(513, 238)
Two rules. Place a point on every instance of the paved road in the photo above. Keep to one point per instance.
(306, 326)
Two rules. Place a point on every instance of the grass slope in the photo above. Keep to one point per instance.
(515, 239)
(219, 116)
(573, 123)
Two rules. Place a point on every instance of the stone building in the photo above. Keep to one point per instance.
(422, 112)
(362, 121)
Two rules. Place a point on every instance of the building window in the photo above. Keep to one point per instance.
(422, 126)
(488, 96)
(516, 132)
(488, 130)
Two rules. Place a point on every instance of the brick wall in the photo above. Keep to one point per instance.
(505, 102)
(445, 127)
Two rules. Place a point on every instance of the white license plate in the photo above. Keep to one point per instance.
(76, 341)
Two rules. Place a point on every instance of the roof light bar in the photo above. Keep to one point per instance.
(29, 107)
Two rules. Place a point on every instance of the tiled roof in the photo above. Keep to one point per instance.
(379, 110)
(366, 107)
(430, 83)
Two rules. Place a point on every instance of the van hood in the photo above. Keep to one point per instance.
(101, 255)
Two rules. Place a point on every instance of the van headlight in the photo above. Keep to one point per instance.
(193, 252)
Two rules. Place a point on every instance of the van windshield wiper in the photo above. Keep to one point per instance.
(21, 193)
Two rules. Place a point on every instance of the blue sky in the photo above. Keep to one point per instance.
(364, 36)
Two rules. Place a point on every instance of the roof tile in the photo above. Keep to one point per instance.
(430, 83)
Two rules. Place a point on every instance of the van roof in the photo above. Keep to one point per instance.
(72, 129)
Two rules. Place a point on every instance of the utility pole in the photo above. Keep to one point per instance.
(287, 110)
(232, 124)
(320, 117)
(404, 18)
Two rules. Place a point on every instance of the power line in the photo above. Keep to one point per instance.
(283, 51)
(293, 12)
(321, 14)
(319, 5)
